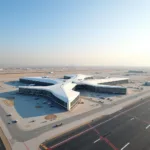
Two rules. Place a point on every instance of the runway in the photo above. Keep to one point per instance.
(128, 129)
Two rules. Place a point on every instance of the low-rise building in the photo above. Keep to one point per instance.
(66, 92)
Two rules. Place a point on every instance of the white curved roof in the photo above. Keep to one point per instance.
(101, 81)
(44, 79)
(78, 76)
(63, 89)
(99, 85)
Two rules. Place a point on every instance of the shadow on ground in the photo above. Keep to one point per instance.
(32, 106)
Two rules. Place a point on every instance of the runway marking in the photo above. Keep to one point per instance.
(148, 126)
(26, 146)
(94, 129)
(96, 141)
(104, 139)
(132, 119)
(110, 144)
(74, 136)
(138, 118)
(125, 146)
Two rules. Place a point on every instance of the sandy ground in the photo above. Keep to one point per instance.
(37, 110)
(9, 103)
(9, 86)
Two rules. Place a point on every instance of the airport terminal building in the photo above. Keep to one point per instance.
(66, 92)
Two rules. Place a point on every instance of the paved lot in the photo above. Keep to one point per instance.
(127, 129)
(2, 147)
(22, 135)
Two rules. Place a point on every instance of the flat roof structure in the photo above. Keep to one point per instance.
(64, 89)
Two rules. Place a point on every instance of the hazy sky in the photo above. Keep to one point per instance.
(75, 32)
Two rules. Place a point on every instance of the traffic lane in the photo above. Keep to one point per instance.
(142, 115)
(145, 116)
(65, 136)
(124, 116)
(122, 132)
(112, 124)
(85, 137)
(85, 141)
(104, 128)
(139, 127)
(140, 142)
(116, 122)
(130, 111)
(139, 111)
(88, 137)
(125, 133)
(74, 145)
(142, 107)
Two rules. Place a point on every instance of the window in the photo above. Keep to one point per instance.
(74, 101)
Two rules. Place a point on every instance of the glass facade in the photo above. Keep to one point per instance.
(44, 93)
(74, 102)
(115, 90)
(34, 82)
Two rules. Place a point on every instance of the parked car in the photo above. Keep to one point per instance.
(9, 115)
(58, 125)
(14, 121)
(32, 121)
(49, 103)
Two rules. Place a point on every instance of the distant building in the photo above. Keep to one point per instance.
(136, 71)
(147, 83)
(65, 91)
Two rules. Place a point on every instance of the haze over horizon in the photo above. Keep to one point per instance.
(75, 32)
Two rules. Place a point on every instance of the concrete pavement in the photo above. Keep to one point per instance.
(128, 129)
(22, 135)
(35, 137)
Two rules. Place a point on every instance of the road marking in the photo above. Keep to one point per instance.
(44, 147)
(80, 133)
(104, 139)
(26, 146)
(125, 146)
(110, 144)
(135, 117)
(132, 119)
(94, 129)
(96, 141)
(148, 126)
